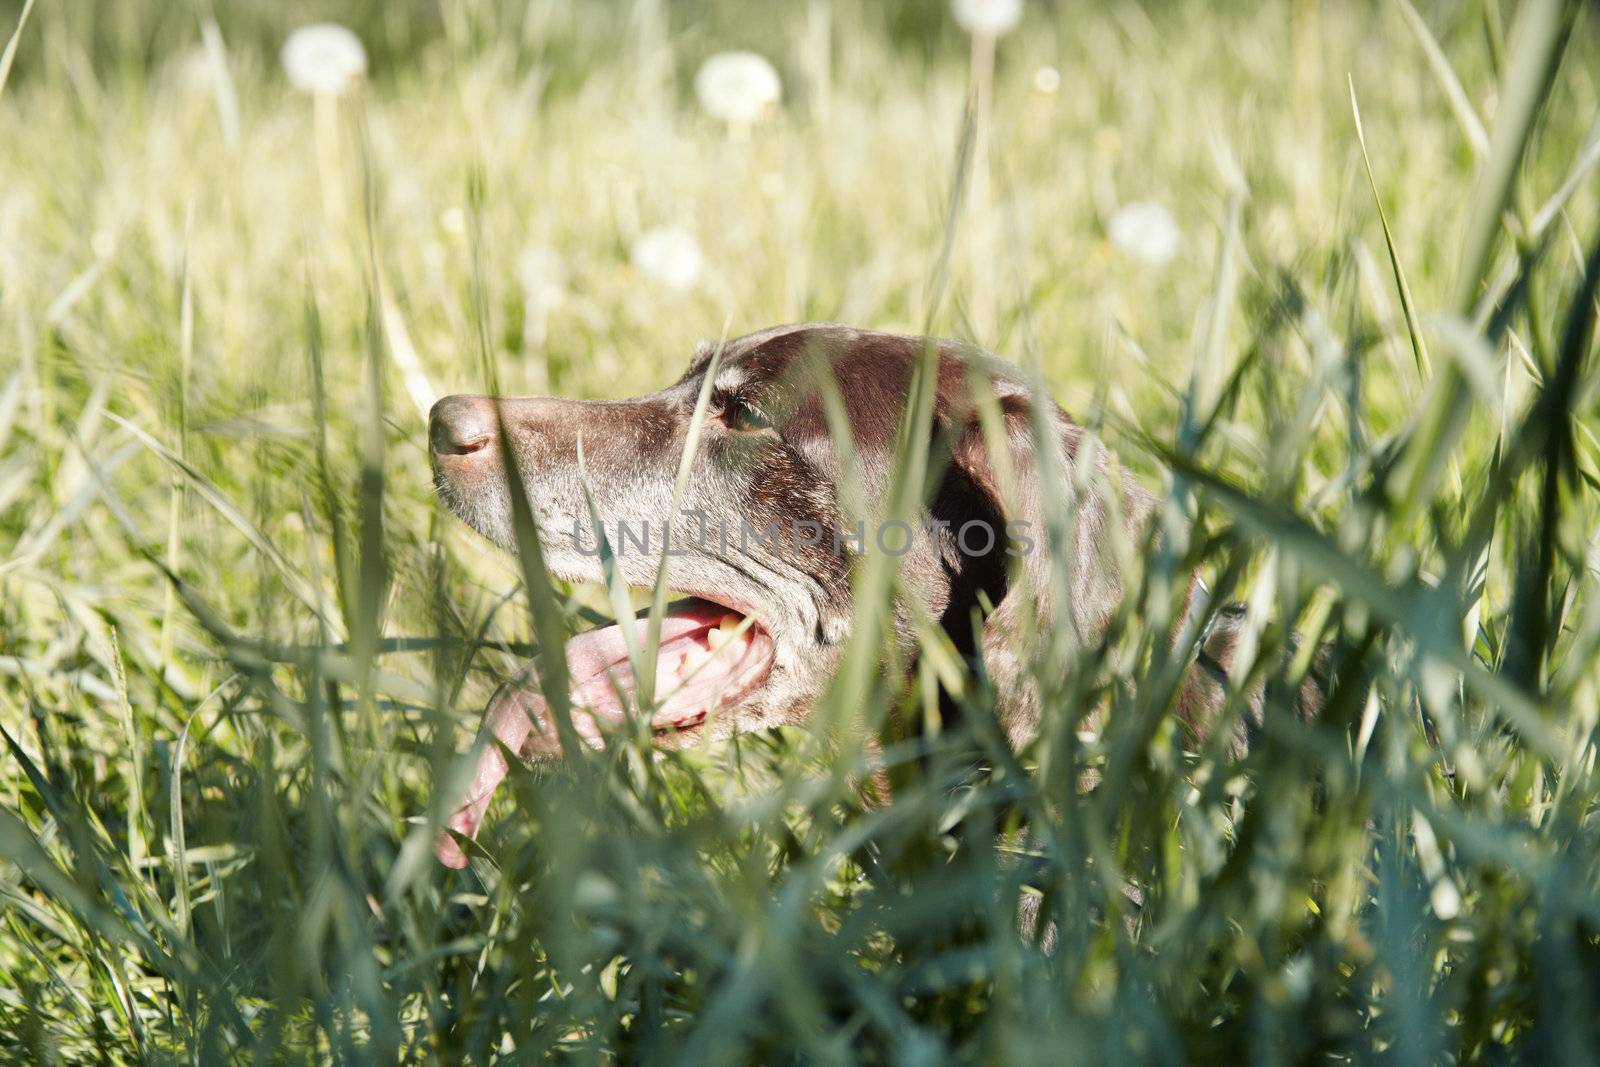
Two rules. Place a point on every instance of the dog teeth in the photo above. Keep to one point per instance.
(723, 634)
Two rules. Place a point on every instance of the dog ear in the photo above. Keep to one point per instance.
(1078, 582)
(1103, 514)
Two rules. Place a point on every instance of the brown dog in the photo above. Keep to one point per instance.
(764, 537)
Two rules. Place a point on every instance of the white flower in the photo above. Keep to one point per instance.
(324, 58)
(1046, 80)
(453, 221)
(668, 255)
(543, 276)
(994, 18)
(1145, 231)
(737, 87)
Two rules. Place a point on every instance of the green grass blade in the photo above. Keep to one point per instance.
(1419, 347)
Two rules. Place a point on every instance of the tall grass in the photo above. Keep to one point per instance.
(240, 644)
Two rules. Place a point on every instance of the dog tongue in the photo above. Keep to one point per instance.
(596, 665)
(590, 655)
(508, 718)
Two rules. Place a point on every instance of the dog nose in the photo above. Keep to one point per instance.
(461, 425)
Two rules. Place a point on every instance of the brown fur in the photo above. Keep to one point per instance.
(792, 470)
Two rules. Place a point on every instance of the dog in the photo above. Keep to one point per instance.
(763, 535)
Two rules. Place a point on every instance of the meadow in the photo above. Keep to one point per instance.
(1322, 274)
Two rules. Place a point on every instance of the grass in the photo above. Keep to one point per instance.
(240, 642)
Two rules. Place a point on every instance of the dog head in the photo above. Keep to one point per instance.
(763, 532)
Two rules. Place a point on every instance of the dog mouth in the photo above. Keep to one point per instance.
(709, 657)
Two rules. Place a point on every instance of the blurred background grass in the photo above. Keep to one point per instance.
(215, 792)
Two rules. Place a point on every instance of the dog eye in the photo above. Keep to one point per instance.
(741, 417)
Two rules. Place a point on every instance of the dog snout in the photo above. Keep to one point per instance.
(461, 425)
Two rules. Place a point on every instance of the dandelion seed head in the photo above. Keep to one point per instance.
(1144, 231)
(669, 255)
(994, 18)
(324, 58)
(738, 87)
